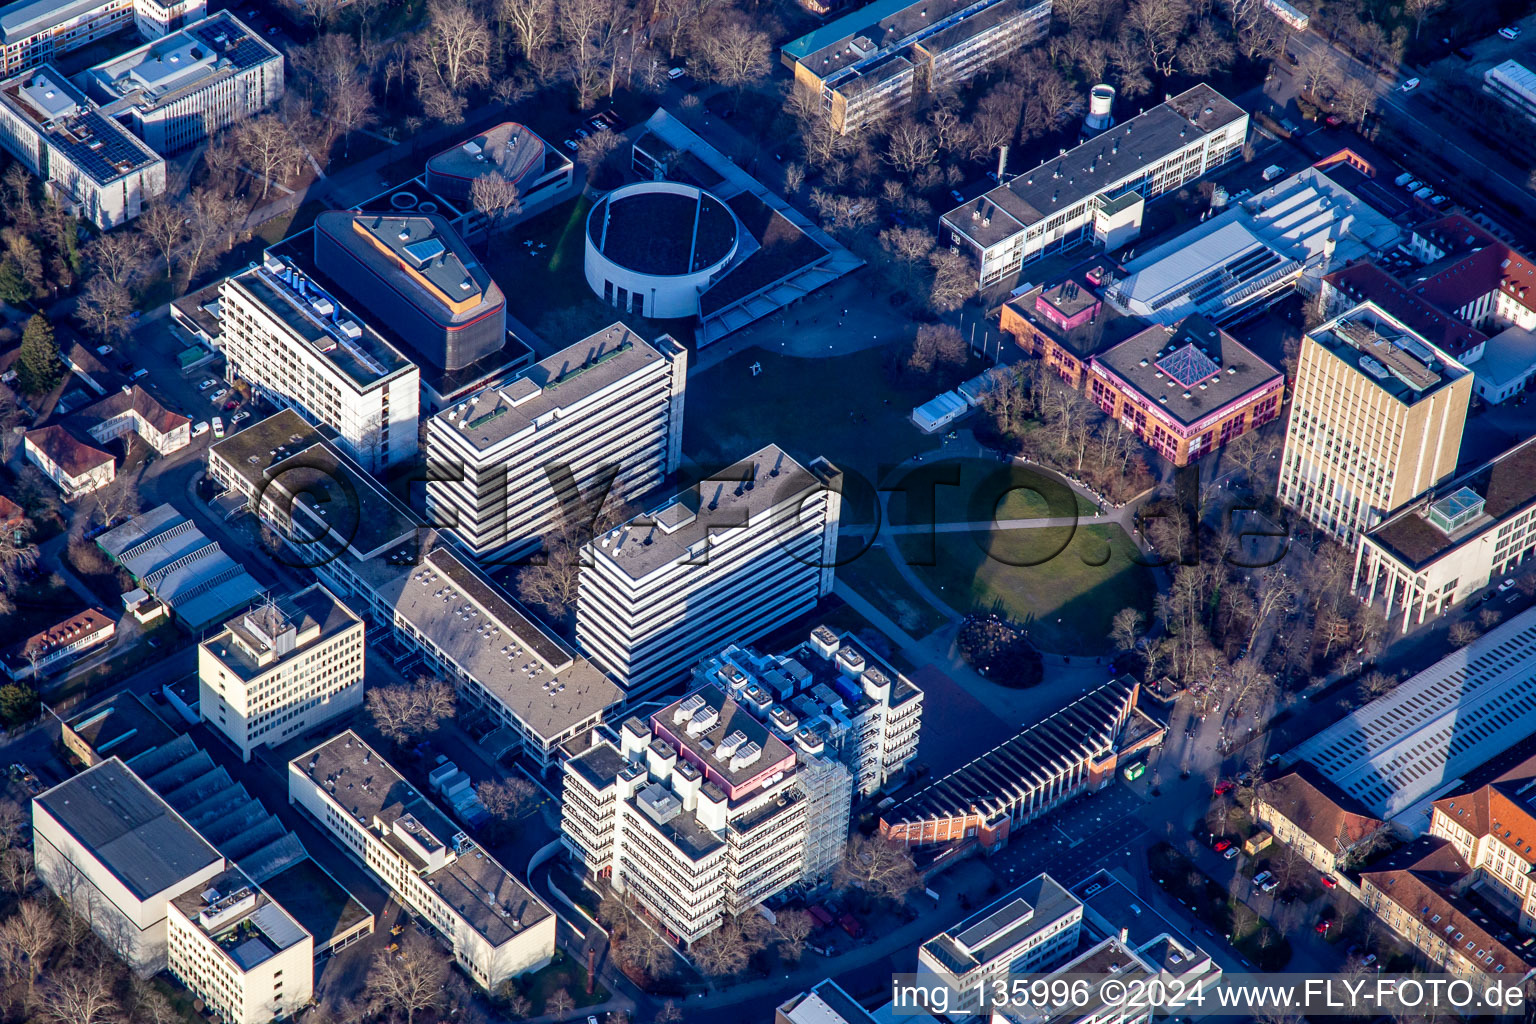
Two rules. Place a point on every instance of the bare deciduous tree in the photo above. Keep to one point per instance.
(736, 53)
(497, 198)
(349, 108)
(954, 281)
(267, 145)
(26, 939)
(559, 1003)
(455, 47)
(119, 256)
(103, 308)
(409, 982)
(877, 867)
(404, 712)
(78, 995)
(723, 952)
(532, 23)
(508, 798)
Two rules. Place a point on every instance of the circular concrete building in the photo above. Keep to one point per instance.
(653, 247)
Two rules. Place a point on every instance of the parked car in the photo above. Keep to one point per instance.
(231, 405)
(1402, 179)
(1329, 882)
(199, 428)
(1510, 32)
(240, 416)
(1224, 787)
(218, 427)
(1333, 120)
(1424, 193)
(1413, 184)
(1437, 200)
(218, 396)
(675, 73)
(955, 194)
(1369, 959)
(1222, 845)
(1409, 86)
(1507, 584)
(1262, 877)
(1231, 853)
(138, 374)
(568, 144)
(852, 925)
(103, 350)
(1271, 885)
(1322, 927)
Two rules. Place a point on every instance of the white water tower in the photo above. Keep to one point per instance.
(1101, 109)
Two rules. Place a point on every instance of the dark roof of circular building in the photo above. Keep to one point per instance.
(663, 233)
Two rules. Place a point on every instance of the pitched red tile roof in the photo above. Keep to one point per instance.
(1365, 280)
(74, 457)
(1425, 887)
(140, 401)
(10, 511)
(1319, 808)
(82, 624)
(1499, 810)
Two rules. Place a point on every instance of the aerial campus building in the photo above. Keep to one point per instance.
(1411, 744)
(1239, 261)
(511, 150)
(702, 813)
(655, 246)
(507, 464)
(176, 91)
(93, 166)
(832, 691)
(746, 550)
(495, 926)
(433, 606)
(299, 348)
(1060, 757)
(1435, 553)
(1099, 188)
(412, 272)
(891, 54)
(1185, 389)
(1376, 420)
(177, 569)
(281, 669)
(34, 32)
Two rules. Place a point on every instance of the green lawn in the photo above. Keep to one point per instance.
(561, 972)
(1080, 576)
(874, 578)
(979, 491)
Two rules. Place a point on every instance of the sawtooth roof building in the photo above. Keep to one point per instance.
(1064, 755)
(1415, 743)
(175, 564)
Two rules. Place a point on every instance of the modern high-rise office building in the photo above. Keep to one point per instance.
(281, 669)
(506, 463)
(1376, 419)
(301, 349)
(698, 814)
(743, 552)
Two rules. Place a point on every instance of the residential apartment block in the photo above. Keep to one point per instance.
(238, 951)
(830, 691)
(1444, 547)
(90, 164)
(891, 54)
(1493, 828)
(299, 348)
(495, 926)
(436, 608)
(178, 90)
(33, 32)
(1376, 420)
(603, 416)
(1098, 189)
(698, 814)
(1185, 390)
(746, 550)
(281, 669)
(1324, 825)
(1022, 932)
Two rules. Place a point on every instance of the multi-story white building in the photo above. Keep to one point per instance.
(281, 669)
(506, 464)
(829, 690)
(698, 814)
(118, 854)
(69, 462)
(1100, 187)
(1022, 932)
(299, 348)
(239, 951)
(1376, 420)
(93, 166)
(33, 32)
(1446, 546)
(176, 91)
(746, 550)
(437, 608)
(495, 926)
(893, 53)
